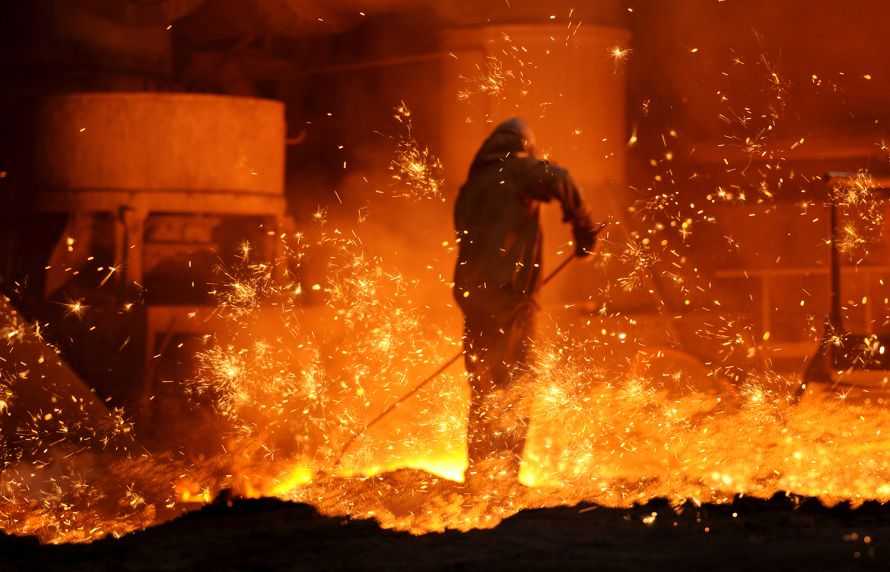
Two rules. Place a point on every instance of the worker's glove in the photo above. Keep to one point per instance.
(585, 239)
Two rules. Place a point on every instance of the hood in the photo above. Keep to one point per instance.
(510, 137)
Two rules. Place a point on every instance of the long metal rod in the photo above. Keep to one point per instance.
(431, 377)
(371, 64)
(836, 316)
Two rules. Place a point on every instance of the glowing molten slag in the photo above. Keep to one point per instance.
(603, 429)
(293, 382)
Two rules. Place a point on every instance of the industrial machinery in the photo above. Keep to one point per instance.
(844, 360)
(153, 190)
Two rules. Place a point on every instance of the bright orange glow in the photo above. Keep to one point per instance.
(620, 413)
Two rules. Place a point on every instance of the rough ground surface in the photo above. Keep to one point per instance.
(777, 534)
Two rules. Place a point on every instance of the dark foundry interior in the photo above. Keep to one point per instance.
(440, 284)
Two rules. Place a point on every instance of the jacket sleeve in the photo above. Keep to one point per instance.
(549, 182)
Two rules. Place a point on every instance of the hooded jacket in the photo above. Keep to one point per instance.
(497, 219)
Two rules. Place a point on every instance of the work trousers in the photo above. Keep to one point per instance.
(497, 352)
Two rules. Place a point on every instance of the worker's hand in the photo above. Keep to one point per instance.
(585, 239)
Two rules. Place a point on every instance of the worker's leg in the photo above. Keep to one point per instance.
(513, 367)
(497, 352)
(480, 427)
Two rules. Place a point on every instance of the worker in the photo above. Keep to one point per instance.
(497, 279)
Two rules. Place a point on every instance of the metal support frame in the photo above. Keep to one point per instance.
(839, 351)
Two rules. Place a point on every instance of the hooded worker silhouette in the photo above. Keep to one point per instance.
(497, 279)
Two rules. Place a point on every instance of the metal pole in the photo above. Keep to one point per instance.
(835, 271)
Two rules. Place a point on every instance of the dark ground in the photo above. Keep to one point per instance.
(778, 534)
